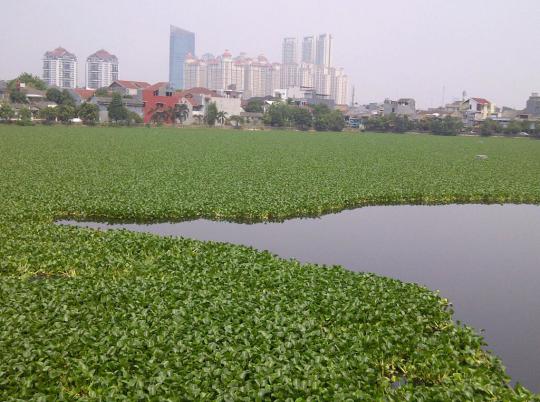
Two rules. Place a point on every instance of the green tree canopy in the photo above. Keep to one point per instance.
(303, 119)
(54, 95)
(211, 114)
(48, 114)
(66, 113)
(6, 112)
(28, 79)
(117, 110)
(490, 127)
(278, 115)
(254, 106)
(89, 114)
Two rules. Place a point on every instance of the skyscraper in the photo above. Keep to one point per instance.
(60, 68)
(324, 50)
(289, 51)
(182, 43)
(289, 71)
(101, 69)
(309, 50)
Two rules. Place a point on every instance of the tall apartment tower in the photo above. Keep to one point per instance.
(324, 50)
(289, 51)
(289, 71)
(101, 69)
(309, 50)
(60, 68)
(181, 44)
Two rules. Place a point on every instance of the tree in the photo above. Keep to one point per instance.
(221, 117)
(237, 120)
(515, 127)
(278, 115)
(6, 112)
(54, 95)
(211, 114)
(302, 118)
(336, 121)
(180, 112)
(66, 113)
(489, 127)
(17, 96)
(67, 99)
(117, 111)
(447, 126)
(48, 114)
(89, 114)
(102, 92)
(28, 79)
(25, 117)
(254, 106)
(134, 118)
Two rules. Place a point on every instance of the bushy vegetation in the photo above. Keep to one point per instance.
(320, 117)
(116, 315)
(401, 124)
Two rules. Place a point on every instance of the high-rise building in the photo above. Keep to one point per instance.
(324, 50)
(60, 68)
(182, 43)
(306, 72)
(339, 91)
(289, 51)
(101, 69)
(309, 50)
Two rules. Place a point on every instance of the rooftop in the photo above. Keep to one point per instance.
(60, 52)
(104, 55)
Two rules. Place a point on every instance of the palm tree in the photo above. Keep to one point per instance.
(221, 117)
(181, 112)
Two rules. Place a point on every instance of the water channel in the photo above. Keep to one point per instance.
(484, 258)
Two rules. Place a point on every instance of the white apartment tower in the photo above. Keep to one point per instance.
(101, 69)
(309, 50)
(60, 68)
(324, 50)
(289, 51)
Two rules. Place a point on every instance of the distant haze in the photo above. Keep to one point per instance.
(390, 49)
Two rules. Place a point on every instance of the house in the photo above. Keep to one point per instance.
(129, 88)
(81, 95)
(4, 92)
(401, 107)
(476, 110)
(133, 105)
(159, 98)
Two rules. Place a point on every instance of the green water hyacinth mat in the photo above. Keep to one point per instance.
(89, 315)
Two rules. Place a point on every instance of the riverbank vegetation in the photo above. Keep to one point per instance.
(117, 315)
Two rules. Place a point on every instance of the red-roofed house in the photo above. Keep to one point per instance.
(476, 110)
(128, 88)
(159, 99)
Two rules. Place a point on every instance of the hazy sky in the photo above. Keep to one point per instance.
(395, 48)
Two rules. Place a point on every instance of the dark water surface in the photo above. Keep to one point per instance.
(485, 259)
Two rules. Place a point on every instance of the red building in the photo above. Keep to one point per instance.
(158, 98)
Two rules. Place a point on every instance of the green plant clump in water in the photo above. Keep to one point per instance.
(89, 315)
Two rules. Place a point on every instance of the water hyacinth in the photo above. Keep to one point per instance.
(116, 315)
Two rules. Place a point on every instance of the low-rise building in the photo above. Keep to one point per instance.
(129, 88)
(132, 104)
(476, 110)
(401, 107)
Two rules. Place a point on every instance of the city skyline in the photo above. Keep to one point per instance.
(483, 51)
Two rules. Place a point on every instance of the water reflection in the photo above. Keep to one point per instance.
(485, 259)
